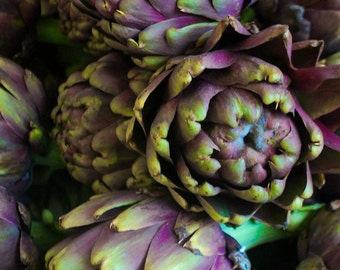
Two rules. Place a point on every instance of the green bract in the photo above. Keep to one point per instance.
(156, 28)
(224, 131)
(86, 129)
(72, 23)
(125, 230)
(22, 100)
(77, 22)
(17, 249)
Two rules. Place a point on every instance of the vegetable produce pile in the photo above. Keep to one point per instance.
(143, 134)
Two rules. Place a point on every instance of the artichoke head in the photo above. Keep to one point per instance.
(225, 133)
(22, 101)
(89, 134)
(148, 28)
(160, 235)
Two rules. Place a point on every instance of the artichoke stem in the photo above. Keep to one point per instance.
(52, 159)
(44, 236)
(48, 32)
(254, 233)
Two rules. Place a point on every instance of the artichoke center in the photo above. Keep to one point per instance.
(255, 142)
(255, 138)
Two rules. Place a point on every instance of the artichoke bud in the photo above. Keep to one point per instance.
(22, 103)
(92, 119)
(164, 235)
(225, 124)
(147, 29)
(73, 22)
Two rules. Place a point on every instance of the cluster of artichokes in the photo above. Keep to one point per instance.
(192, 119)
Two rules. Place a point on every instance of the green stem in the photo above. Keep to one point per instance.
(247, 15)
(44, 165)
(52, 158)
(48, 32)
(254, 233)
(44, 236)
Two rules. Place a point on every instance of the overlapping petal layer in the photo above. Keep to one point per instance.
(140, 27)
(159, 234)
(22, 101)
(306, 19)
(228, 133)
(86, 129)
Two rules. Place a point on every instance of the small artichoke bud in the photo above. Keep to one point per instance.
(86, 129)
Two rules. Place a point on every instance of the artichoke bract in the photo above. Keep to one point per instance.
(87, 131)
(77, 21)
(153, 231)
(312, 84)
(154, 28)
(303, 18)
(319, 245)
(224, 131)
(76, 26)
(17, 249)
(162, 28)
(16, 25)
(22, 102)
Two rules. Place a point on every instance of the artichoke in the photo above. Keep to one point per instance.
(17, 249)
(78, 25)
(16, 25)
(22, 100)
(154, 28)
(303, 18)
(319, 246)
(86, 130)
(153, 231)
(225, 132)
(73, 23)
(162, 28)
